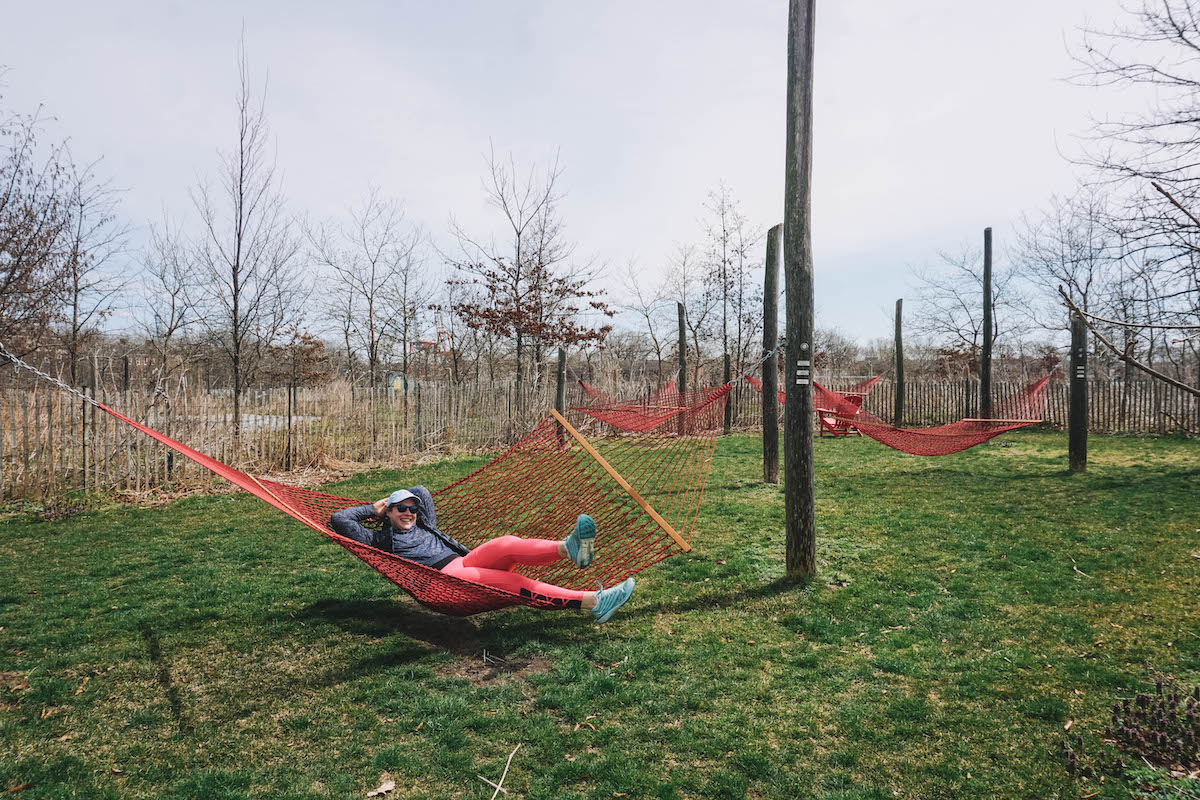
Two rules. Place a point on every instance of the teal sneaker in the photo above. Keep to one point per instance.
(609, 600)
(579, 543)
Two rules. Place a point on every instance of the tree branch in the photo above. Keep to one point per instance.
(1124, 355)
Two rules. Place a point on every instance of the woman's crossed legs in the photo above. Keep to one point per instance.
(492, 562)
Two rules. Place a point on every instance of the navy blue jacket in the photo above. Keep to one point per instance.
(423, 543)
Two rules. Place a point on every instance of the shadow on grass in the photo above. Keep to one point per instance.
(382, 618)
(163, 675)
(721, 598)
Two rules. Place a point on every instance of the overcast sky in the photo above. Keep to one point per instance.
(934, 118)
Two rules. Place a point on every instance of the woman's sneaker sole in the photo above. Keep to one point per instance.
(581, 542)
(609, 600)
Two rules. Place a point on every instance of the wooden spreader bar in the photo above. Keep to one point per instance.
(637, 498)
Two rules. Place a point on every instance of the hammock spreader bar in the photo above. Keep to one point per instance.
(637, 498)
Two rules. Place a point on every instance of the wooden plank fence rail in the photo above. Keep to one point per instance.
(51, 444)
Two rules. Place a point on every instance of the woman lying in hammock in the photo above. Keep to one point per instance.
(410, 531)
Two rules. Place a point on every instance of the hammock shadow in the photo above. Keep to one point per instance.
(536, 622)
(720, 599)
(382, 618)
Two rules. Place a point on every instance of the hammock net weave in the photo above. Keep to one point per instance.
(1018, 410)
(583, 462)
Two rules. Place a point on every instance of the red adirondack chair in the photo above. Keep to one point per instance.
(837, 424)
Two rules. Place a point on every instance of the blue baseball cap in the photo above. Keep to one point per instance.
(399, 495)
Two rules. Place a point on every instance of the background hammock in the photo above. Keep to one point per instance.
(642, 488)
(1018, 410)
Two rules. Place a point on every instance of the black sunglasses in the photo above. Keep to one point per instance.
(405, 509)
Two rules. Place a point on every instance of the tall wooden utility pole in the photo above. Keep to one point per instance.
(898, 410)
(1077, 422)
(728, 426)
(683, 387)
(985, 366)
(798, 274)
(770, 367)
(560, 390)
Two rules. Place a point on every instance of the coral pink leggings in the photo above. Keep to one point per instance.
(491, 564)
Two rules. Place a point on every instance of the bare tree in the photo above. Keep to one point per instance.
(949, 301)
(247, 253)
(1069, 244)
(34, 219)
(1156, 51)
(93, 282)
(533, 291)
(371, 262)
(686, 284)
(650, 305)
(729, 240)
(411, 293)
(167, 275)
(833, 351)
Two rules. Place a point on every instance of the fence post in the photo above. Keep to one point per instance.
(770, 367)
(420, 432)
(1077, 426)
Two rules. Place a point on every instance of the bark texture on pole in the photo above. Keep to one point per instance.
(798, 274)
(1077, 424)
(683, 387)
(898, 410)
(560, 393)
(729, 397)
(770, 367)
(985, 366)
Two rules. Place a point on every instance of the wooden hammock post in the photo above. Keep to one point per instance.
(624, 484)
(560, 392)
(770, 373)
(798, 275)
(1077, 425)
(898, 407)
(683, 385)
(985, 365)
(728, 376)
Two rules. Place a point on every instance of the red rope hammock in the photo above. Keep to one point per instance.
(642, 489)
(1018, 410)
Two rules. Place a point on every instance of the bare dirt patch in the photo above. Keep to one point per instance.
(485, 666)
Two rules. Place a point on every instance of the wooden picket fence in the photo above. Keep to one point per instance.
(52, 443)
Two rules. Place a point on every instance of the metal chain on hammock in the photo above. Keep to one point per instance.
(49, 378)
(782, 344)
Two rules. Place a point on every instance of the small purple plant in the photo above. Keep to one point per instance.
(1163, 730)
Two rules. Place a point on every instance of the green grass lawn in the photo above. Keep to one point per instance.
(968, 608)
